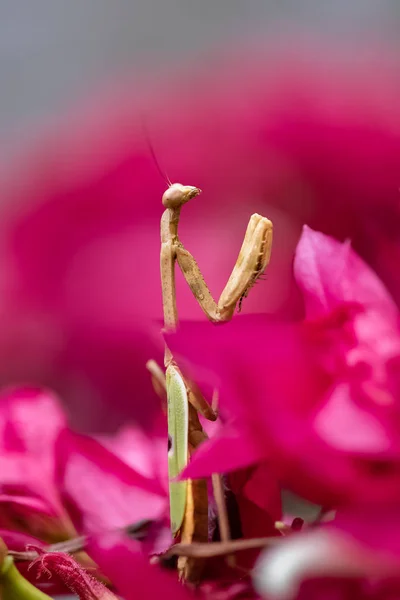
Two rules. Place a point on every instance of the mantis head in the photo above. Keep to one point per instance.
(178, 194)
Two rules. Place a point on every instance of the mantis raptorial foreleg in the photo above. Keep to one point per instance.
(252, 260)
(189, 499)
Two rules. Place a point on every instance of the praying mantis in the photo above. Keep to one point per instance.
(189, 499)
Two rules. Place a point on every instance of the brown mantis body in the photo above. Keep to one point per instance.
(252, 260)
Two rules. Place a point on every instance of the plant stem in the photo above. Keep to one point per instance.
(220, 548)
(13, 586)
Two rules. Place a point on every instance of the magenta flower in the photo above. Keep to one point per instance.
(31, 421)
(314, 141)
(329, 275)
(96, 487)
(50, 477)
(317, 399)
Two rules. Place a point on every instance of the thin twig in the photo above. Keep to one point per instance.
(219, 548)
(69, 546)
(191, 550)
(223, 520)
(78, 544)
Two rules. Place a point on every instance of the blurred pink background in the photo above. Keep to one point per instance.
(295, 124)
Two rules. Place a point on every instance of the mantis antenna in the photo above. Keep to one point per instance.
(153, 155)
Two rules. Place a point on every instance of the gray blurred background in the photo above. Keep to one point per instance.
(52, 51)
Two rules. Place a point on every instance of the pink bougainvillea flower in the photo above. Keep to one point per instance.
(314, 141)
(85, 467)
(359, 551)
(101, 487)
(329, 274)
(98, 487)
(318, 399)
(251, 355)
(31, 421)
(56, 483)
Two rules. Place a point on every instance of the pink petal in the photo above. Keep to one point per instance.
(230, 449)
(247, 359)
(374, 527)
(18, 541)
(25, 502)
(348, 427)
(330, 273)
(144, 453)
(273, 378)
(123, 563)
(35, 516)
(31, 421)
(101, 490)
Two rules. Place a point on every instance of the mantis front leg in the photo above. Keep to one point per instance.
(252, 261)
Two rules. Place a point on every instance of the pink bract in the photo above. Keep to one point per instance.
(122, 561)
(57, 483)
(31, 420)
(101, 491)
(318, 399)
